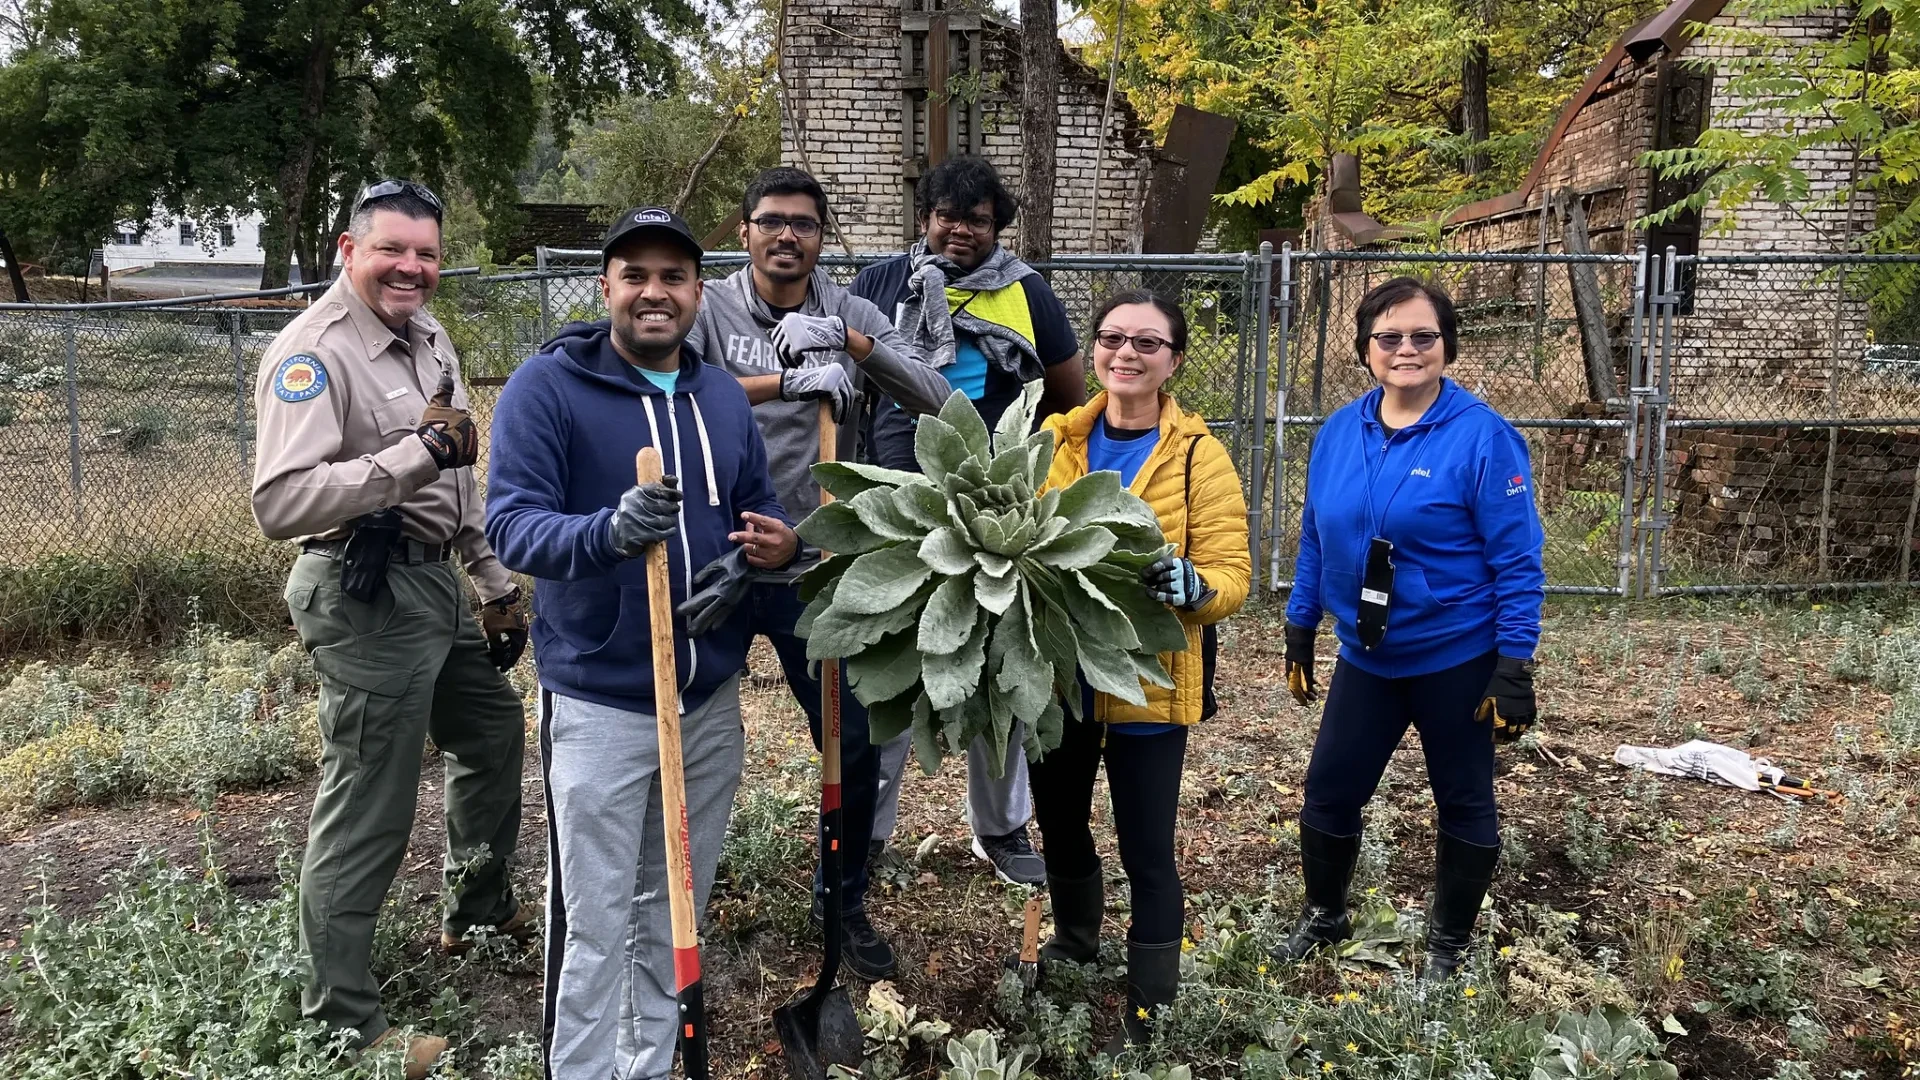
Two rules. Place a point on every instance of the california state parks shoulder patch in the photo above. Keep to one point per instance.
(302, 377)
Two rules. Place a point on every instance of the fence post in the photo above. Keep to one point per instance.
(1263, 297)
(1667, 309)
(1278, 529)
(239, 392)
(1833, 416)
(1629, 449)
(546, 301)
(1240, 364)
(73, 417)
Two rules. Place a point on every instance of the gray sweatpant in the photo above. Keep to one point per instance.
(610, 1005)
(994, 807)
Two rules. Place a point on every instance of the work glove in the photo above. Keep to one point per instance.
(1300, 665)
(647, 514)
(717, 589)
(505, 626)
(449, 433)
(1176, 582)
(1508, 703)
(796, 335)
(829, 381)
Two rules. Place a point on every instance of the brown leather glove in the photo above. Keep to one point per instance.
(505, 626)
(449, 433)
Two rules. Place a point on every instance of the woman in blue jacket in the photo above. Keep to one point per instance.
(1419, 536)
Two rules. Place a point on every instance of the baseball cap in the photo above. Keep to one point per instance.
(642, 220)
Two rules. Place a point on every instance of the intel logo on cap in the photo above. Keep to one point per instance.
(652, 216)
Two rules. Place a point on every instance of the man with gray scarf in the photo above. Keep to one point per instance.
(990, 324)
(793, 338)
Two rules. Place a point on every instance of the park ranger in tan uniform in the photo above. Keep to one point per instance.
(365, 457)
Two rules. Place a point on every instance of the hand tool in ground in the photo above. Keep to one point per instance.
(819, 1029)
(1028, 966)
(673, 799)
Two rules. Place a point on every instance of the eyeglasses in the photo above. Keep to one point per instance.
(387, 189)
(1390, 341)
(1144, 344)
(974, 223)
(773, 225)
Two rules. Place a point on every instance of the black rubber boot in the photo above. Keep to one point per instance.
(1326, 865)
(1461, 874)
(1153, 978)
(1078, 904)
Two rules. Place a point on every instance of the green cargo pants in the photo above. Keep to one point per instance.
(410, 664)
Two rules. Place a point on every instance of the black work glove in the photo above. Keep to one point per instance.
(717, 589)
(1508, 703)
(449, 433)
(647, 514)
(1177, 583)
(1300, 664)
(506, 628)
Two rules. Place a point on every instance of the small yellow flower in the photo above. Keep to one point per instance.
(1373, 890)
(1468, 992)
(1326, 1066)
(1375, 1010)
(1506, 950)
(1262, 969)
(1223, 1002)
(1186, 944)
(1353, 1048)
(1338, 998)
(1353, 995)
(1141, 1013)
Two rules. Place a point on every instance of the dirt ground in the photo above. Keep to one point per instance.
(1757, 677)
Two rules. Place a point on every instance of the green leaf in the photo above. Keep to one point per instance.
(820, 602)
(949, 616)
(1158, 628)
(1076, 549)
(821, 574)
(938, 447)
(1045, 733)
(961, 415)
(946, 551)
(1132, 510)
(973, 472)
(994, 565)
(1059, 646)
(886, 668)
(1040, 449)
(1019, 670)
(1021, 534)
(837, 527)
(995, 593)
(845, 479)
(1096, 614)
(876, 510)
(1017, 420)
(923, 504)
(1008, 465)
(1148, 667)
(839, 633)
(882, 580)
(887, 720)
(989, 535)
(926, 741)
(952, 677)
(1089, 498)
(1110, 671)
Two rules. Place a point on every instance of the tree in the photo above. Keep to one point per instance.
(288, 108)
(1039, 96)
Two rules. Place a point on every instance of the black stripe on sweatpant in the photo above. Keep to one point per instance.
(556, 895)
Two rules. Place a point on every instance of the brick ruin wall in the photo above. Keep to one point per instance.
(842, 76)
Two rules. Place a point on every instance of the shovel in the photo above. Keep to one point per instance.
(1027, 967)
(673, 799)
(819, 1029)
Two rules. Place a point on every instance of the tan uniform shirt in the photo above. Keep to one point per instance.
(339, 398)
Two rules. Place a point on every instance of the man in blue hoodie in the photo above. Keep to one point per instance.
(562, 506)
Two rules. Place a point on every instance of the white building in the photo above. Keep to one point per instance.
(166, 239)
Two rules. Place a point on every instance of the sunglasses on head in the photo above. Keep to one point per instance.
(1390, 341)
(387, 189)
(1144, 344)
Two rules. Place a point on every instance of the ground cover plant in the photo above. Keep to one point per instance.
(1641, 927)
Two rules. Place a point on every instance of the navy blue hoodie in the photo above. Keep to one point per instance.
(1454, 493)
(565, 433)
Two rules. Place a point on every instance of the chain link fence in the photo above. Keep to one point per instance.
(1696, 423)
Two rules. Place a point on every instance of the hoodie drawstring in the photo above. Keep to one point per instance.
(686, 552)
(706, 451)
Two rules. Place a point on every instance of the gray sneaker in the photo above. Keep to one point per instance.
(1013, 858)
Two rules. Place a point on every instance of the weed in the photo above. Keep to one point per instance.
(1589, 846)
(1853, 663)
(66, 597)
(763, 857)
(892, 1028)
(1902, 722)
(1750, 681)
(139, 429)
(1712, 659)
(1658, 956)
(1757, 981)
(1786, 836)
(1806, 1033)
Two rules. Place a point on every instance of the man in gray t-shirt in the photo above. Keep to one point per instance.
(793, 338)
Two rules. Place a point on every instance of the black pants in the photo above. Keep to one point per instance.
(1143, 778)
(1365, 717)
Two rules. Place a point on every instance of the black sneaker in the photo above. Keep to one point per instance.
(861, 946)
(1013, 858)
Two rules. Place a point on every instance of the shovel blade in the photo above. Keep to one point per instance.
(817, 1031)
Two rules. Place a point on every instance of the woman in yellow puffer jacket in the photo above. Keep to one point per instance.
(1165, 456)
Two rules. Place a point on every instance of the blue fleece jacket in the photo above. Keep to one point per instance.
(565, 433)
(1454, 493)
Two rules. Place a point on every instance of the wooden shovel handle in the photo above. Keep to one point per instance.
(829, 669)
(673, 779)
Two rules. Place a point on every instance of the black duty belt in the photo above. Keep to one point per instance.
(410, 552)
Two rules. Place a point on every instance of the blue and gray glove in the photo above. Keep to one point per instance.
(1176, 582)
(796, 335)
(833, 382)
